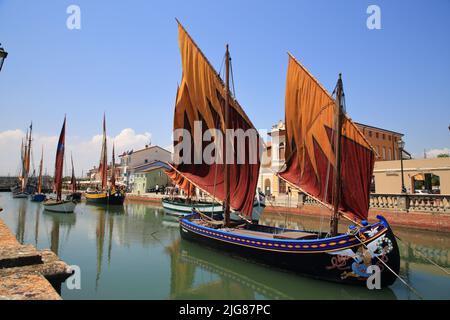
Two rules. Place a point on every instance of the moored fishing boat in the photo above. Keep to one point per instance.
(39, 196)
(108, 195)
(23, 189)
(183, 206)
(74, 195)
(327, 158)
(59, 205)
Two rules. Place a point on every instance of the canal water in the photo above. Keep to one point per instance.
(135, 252)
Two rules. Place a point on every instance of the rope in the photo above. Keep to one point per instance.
(393, 272)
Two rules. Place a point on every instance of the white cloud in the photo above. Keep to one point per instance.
(433, 153)
(86, 153)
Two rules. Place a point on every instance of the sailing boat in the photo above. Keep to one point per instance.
(23, 189)
(180, 206)
(344, 257)
(75, 195)
(39, 196)
(111, 195)
(59, 205)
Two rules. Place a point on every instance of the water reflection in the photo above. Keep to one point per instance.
(21, 220)
(135, 252)
(59, 221)
(198, 273)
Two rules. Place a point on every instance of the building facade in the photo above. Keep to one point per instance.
(419, 176)
(148, 176)
(134, 159)
(385, 143)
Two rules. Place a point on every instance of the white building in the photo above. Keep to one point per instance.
(130, 160)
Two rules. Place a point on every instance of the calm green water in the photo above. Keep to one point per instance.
(136, 253)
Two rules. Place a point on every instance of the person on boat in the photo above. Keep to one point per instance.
(156, 189)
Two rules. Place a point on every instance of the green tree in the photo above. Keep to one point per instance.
(443, 155)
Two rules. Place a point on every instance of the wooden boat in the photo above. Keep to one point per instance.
(108, 195)
(74, 195)
(183, 206)
(22, 190)
(328, 158)
(59, 205)
(39, 196)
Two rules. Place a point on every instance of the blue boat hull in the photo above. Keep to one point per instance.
(38, 197)
(343, 259)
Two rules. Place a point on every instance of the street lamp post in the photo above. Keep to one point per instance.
(401, 145)
(3, 55)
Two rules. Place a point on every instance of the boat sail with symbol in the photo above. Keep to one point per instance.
(327, 158)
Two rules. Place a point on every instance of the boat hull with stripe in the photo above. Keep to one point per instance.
(105, 198)
(344, 258)
(65, 206)
(38, 197)
(179, 207)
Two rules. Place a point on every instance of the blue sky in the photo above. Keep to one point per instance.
(125, 61)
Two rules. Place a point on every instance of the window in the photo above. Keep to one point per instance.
(389, 154)
(389, 138)
(146, 161)
(384, 153)
(370, 133)
(281, 186)
(281, 151)
(376, 135)
(384, 136)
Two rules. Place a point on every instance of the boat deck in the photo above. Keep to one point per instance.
(285, 235)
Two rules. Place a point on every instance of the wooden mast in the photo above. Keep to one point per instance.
(337, 173)
(73, 179)
(226, 203)
(40, 172)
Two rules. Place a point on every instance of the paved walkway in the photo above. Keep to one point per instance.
(25, 271)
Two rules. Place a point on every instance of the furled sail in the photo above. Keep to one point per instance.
(310, 113)
(59, 161)
(113, 171)
(41, 164)
(73, 179)
(180, 181)
(103, 167)
(201, 99)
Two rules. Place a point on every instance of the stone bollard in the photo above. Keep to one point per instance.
(403, 202)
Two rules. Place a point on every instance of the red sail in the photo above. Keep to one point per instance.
(60, 161)
(201, 99)
(310, 145)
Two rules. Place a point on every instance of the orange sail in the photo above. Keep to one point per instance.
(201, 99)
(183, 183)
(310, 113)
